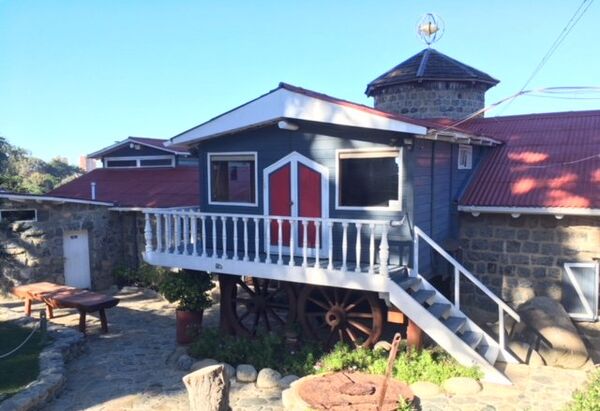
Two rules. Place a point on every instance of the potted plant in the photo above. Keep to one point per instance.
(189, 289)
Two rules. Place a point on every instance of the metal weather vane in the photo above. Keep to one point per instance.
(430, 28)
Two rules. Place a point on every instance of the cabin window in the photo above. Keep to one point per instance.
(10, 216)
(121, 163)
(232, 178)
(160, 162)
(369, 179)
(465, 157)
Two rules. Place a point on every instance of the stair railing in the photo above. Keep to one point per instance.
(458, 270)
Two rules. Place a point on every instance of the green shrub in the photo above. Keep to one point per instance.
(588, 399)
(189, 289)
(411, 365)
(264, 351)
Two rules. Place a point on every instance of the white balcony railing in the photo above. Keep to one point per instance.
(345, 245)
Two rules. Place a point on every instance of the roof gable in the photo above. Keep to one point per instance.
(154, 143)
(290, 102)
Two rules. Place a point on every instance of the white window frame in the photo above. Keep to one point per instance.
(209, 177)
(393, 205)
(138, 160)
(469, 153)
(35, 218)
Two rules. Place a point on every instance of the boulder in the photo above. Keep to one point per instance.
(229, 370)
(563, 346)
(208, 389)
(246, 373)
(207, 362)
(425, 389)
(268, 378)
(382, 345)
(461, 386)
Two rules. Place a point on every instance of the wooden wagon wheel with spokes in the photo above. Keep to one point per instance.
(331, 314)
(254, 305)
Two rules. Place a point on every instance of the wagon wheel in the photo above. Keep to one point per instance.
(330, 315)
(256, 305)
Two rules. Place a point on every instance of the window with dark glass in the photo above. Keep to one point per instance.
(368, 179)
(232, 178)
(10, 216)
(156, 162)
(121, 163)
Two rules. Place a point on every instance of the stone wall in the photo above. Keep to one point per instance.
(519, 257)
(33, 251)
(432, 99)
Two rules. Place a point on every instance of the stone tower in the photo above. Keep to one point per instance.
(431, 85)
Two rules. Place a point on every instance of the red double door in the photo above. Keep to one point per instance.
(295, 190)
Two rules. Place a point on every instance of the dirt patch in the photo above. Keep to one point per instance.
(352, 392)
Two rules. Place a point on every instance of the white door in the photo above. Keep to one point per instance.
(77, 259)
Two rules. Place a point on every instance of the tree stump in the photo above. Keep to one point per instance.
(208, 389)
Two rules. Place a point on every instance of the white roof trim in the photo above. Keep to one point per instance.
(128, 140)
(283, 103)
(41, 198)
(531, 210)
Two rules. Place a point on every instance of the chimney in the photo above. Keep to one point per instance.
(93, 187)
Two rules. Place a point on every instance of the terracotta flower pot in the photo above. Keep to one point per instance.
(188, 325)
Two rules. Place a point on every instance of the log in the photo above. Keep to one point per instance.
(208, 389)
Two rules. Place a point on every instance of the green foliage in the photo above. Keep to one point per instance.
(588, 399)
(22, 367)
(411, 365)
(189, 289)
(21, 173)
(146, 275)
(264, 351)
(404, 405)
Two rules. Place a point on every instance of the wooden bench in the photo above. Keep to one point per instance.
(63, 296)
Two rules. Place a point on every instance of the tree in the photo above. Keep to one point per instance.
(22, 173)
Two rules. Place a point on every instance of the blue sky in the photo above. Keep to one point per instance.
(77, 75)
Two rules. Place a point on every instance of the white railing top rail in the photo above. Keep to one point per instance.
(467, 274)
(262, 216)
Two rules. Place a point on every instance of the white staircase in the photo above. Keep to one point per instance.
(443, 320)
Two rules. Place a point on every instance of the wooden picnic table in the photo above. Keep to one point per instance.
(64, 296)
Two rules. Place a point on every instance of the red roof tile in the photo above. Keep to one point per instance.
(548, 160)
(141, 187)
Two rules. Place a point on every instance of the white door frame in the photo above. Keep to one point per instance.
(293, 159)
(81, 275)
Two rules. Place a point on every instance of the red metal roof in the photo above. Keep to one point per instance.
(548, 160)
(137, 187)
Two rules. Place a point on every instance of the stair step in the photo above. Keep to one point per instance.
(471, 338)
(422, 296)
(454, 324)
(409, 282)
(439, 310)
(488, 352)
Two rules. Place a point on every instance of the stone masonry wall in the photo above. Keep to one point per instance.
(432, 99)
(519, 257)
(33, 251)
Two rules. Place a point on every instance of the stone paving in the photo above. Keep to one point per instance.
(133, 368)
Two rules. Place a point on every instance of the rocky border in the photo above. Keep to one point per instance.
(66, 344)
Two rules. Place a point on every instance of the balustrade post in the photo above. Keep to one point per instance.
(372, 249)
(292, 243)
(224, 235)
(168, 233)
(245, 220)
(344, 245)
(317, 243)
(214, 236)
(194, 238)
(358, 247)
(280, 241)
(203, 222)
(330, 235)
(501, 341)
(305, 243)
(186, 233)
(457, 288)
(177, 235)
(256, 241)
(415, 270)
(235, 238)
(159, 233)
(268, 244)
(384, 252)
(148, 233)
